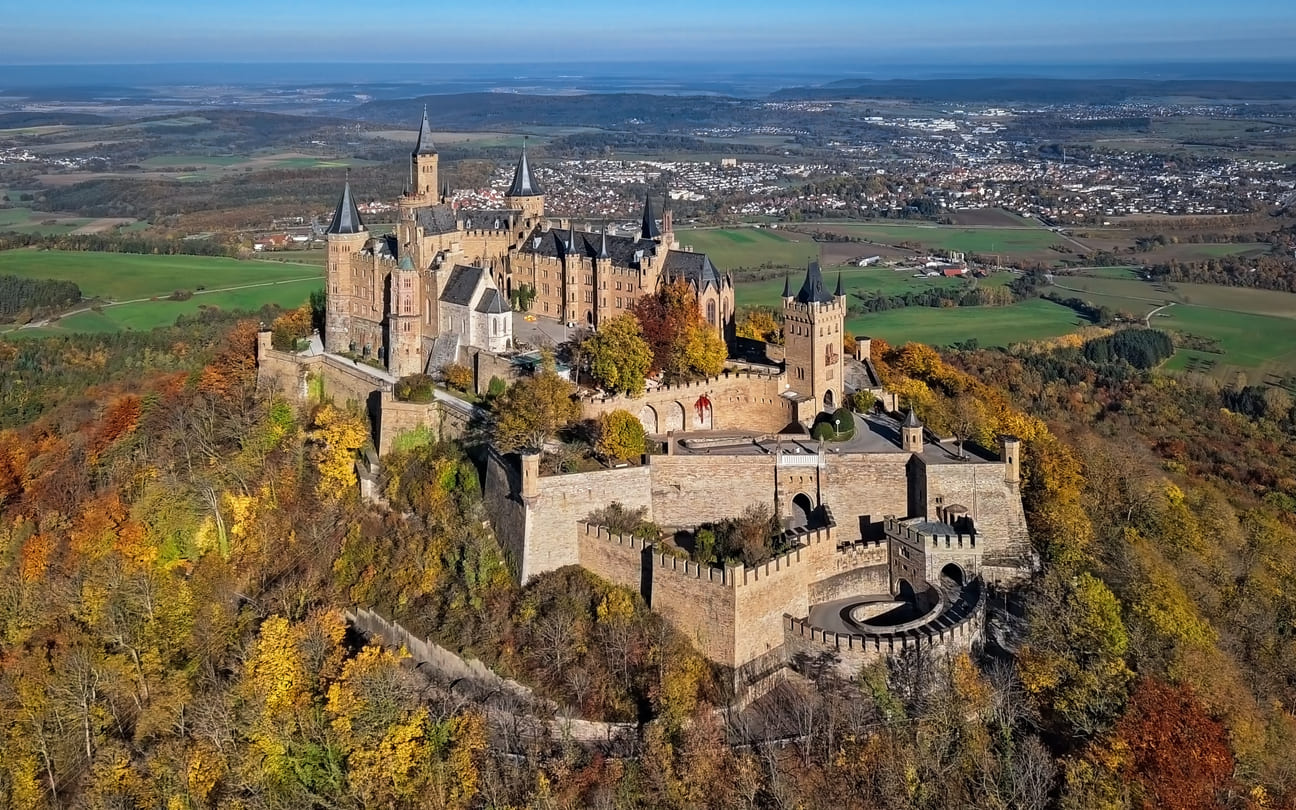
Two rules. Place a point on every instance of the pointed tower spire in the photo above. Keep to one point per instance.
(813, 289)
(840, 292)
(649, 229)
(524, 185)
(787, 285)
(346, 218)
(571, 242)
(425, 145)
(603, 248)
(445, 191)
(911, 421)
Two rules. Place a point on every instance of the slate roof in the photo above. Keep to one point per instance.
(424, 145)
(346, 218)
(911, 421)
(437, 219)
(694, 267)
(524, 184)
(496, 218)
(813, 289)
(648, 229)
(621, 249)
(461, 285)
(492, 303)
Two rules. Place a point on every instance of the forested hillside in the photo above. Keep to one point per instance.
(176, 549)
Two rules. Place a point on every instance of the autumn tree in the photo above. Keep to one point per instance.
(619, 357)
(760, 323)
(338, 434)
(683, 345)
(532, 411)
(621, 436)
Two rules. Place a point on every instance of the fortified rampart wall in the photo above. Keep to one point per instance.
(688, 490)
(739, 400)
(994, 505)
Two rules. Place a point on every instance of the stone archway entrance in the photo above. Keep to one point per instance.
(953, 573)
(648, 418)
(801, 512)
(828, 401)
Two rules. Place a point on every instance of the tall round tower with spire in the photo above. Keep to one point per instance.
(813, 321)
(346, 236)
(524, 193)
(423, 165)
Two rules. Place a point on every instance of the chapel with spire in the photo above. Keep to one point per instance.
(403, 299)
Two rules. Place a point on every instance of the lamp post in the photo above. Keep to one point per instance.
(836, 427)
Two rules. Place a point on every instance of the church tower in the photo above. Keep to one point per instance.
(813, 320)
(524, 193)
(404, 338)
(423, 165)
(346, 237)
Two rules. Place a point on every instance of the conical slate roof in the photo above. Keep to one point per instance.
(839, 292)
(787, 286)
(603, 248)
(649, 229)
(813, 289)
(524, 185)
(346, 219)
(911, 421)
(424, 145)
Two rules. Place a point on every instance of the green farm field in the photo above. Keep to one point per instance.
(141, 284)
(1007, 241)
(1252, 330)
(991, 326)
(733, 248)
(865, 280)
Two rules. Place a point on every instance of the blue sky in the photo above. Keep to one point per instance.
(109, 31)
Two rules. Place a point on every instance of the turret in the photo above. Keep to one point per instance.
(423, 164)
(911, 434)
(404, 337)
(648, 228)
(1011, 447)
(524, 193)
(813, 321)
(346, 236)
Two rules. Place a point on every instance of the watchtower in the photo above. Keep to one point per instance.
(346, 237)
(524, 193)
(423, 165)
(813, 321)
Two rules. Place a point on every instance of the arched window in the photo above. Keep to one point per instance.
(711, 312)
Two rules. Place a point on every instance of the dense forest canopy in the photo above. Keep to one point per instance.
(177, 548)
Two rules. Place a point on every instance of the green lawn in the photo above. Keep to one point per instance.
(125, 276)
(730, 249)
(170, 161)
(1140, 296)
(991, 326)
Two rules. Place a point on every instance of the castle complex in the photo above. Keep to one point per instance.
(391, 296)
(895, 536)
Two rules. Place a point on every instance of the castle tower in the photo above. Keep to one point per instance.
(525, 193)
(1011, 455)
(812, 333)
(648, 229)
(423, 165)
(404, 339)
(346, 237)
(911, 434)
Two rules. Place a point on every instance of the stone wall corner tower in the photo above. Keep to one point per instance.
(813, 321)
(423, 165)
(346, 237)
(404, 338)
(524, 193)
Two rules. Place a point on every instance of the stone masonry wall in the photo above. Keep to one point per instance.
(856, 569)
(739, 401)
(564, 501)
(698, 601)
(283, 372)
(348, 384)
(616, 558)
(994, 504)
(689, 490)
(781, 586)
(864, 486)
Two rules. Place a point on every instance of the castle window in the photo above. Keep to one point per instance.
(618, 300)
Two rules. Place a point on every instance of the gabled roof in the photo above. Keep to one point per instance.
(424, 145)
(694, 267)
(461, 285)
(524, 184)
(813, 289)
(492, 303)
(346, 218)
(437, 219)
(648, 229)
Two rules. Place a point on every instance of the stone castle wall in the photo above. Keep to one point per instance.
(857, 568)
(689, 490)
(740, 400)
(872, 486)
(994, 505)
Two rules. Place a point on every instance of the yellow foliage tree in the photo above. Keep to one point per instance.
(621, 436)
(339, 434)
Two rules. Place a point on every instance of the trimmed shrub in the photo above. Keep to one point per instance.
(414, 388)
(822, 431)
(845, 421)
